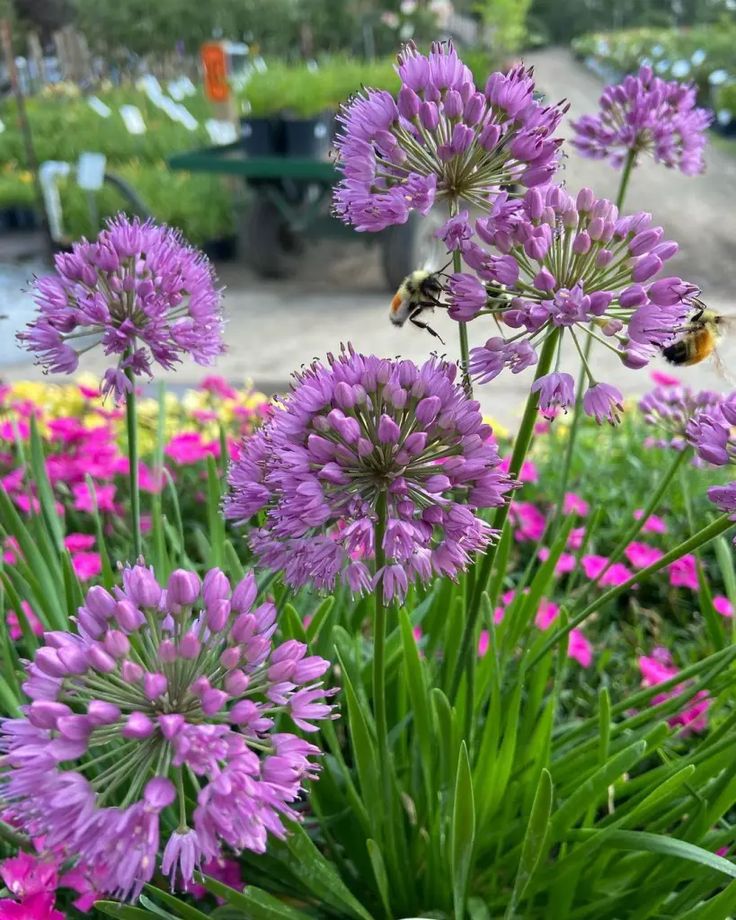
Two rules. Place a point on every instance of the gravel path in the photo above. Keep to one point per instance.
(339, 295)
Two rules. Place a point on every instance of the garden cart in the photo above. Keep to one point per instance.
(290, 204)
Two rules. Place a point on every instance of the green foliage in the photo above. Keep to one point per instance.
(505, 22)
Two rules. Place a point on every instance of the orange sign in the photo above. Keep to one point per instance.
(214, 63)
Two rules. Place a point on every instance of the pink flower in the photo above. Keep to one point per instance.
(580, 649)
(593, 565)
(723, 605)
(79, 542)
(574, 504)
(546, 613)
(87, 565)
(659, 668)
(527, 473)
(566, 563)
(575, 540)
(224, 870)
(664, 380)
(37, 907)
(653, 524)
(218, 386)
(484, 642)
(83, 497)
(25, 875)
(529, 520)
(684, 573)
(13, 622)
(654, 671)
(641, 555)
(190, 447)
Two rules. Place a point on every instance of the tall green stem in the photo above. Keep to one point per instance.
(463, 327)
(625, 176)
(132, 432)
(379, 642)
(521, 448)
(578, 410)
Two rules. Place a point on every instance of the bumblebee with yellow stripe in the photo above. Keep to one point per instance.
(418, 292)
(700, 339)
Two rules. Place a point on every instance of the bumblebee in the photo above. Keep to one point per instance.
(419, 291)
(699, 338)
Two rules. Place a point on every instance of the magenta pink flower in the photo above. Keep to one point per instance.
(36, 907)
(86, 496)
(593, 565)
(653, 523)
(664, 380)
(641, 555)
(87, 565)
(659, 668)
(723, 605)
(565, 564)
(579, 648)
(575, 540)
(546, 613)
(14, 623)
(140, 292)
(79, 542)
(484, 642)
(574, 504)
(529, 522)
(25, 875)
(160, 684)
(684, 573)
(190, 447)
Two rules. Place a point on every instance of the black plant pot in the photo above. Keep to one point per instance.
(223, 249)
(24, 218)
(262, 137)
(308, 137)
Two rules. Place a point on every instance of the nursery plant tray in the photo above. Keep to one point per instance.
(231, 159)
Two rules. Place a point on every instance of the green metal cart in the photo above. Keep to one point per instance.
(290, 204)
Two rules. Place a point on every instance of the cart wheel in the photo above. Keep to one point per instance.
(412, 245)
(267, 243)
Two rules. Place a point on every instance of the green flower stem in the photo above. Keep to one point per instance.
(521, 448)
(463, 327)
(646, 512)
(132, 431)
(625, 176)
(713, 530)
(379, 642)
(577, 412)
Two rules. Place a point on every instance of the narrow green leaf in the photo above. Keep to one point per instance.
(643, 842)
(379, 871)
(181, 908)
(318, 619)
(44, 490)
(419, 697)
(122, 911)
(535, 838)
(604, 720)
(721, 907)
(462, 835)
(255, 903)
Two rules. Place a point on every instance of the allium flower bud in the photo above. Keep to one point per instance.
(182, 588)
(124, 735)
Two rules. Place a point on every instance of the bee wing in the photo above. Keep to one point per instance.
(721, 367)
(431, 248)
(727, 323)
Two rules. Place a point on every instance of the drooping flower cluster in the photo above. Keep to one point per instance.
(441, 138)
(645, 114)
(564, 263)
(160, 699)
(670, 408)
(711, 433)
(351, 436)
(140, 291)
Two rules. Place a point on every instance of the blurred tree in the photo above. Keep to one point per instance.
(43, 16)
(505, 22)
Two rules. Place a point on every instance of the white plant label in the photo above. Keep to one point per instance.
(133, 119)
(98, 106)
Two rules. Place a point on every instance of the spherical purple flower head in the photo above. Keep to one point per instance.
(139, 291)
(670, 409)
(563, 263)
(441, 138)
(159, 711)
(645, 114)
(348, 434)
(711, 432)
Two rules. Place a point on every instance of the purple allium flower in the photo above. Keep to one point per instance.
(645, 114)
(153, 704)
(441, 138)
(565, 263)
(670, 409)
(556, 391)
(140, 291)
(348, 436)
(603, 402)
(711, 432)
